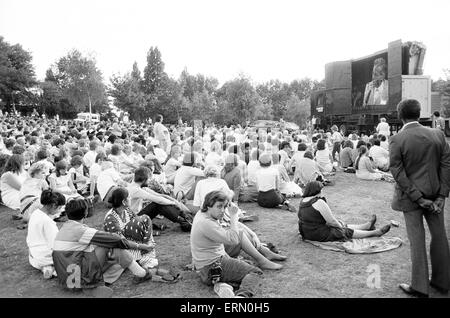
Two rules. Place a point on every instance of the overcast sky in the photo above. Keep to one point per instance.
(265, 40)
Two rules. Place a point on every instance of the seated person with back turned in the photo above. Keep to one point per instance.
(96, 253)
(317, 222)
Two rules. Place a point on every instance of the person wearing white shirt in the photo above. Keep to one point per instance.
(162, 134)
(89, 157)
(160, 154)
(172, 164)
(268, 184)
(107, 180)
(95, 171)
(383, 128)
(253, 168)
(214, 157)
(380, 156)
(42, 231)
(336, 139)
(297, 157)
(323, 157)
(213, 182)
(186, 178)
(284, 153)
(383, 143)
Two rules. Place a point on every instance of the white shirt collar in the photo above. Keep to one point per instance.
(410, 123)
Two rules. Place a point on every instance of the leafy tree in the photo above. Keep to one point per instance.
(241, 99)
(127, 95)
(154, 74)
(202, 106)
(298, 110)
(303, 87)
(276, 94)
(16, 73)
(263, 111)
(51, 96)
(188, 84)
(81, 82)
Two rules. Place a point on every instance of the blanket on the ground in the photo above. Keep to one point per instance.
(361, 246)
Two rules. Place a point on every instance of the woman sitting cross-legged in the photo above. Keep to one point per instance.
(318, 223)
(85, 258)
(122, 221)
(156, 203)
(268, 184)
(42, 231)
(214, 247)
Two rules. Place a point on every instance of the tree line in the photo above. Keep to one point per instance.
(74, 83)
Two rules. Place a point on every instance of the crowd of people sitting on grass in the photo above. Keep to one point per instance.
(55, 170)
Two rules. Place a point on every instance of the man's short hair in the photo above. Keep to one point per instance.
(437, 114)
(408, 109)
(142, 174)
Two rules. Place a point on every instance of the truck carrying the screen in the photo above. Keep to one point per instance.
(359, 92)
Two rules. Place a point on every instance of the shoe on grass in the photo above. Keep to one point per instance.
(138, 280)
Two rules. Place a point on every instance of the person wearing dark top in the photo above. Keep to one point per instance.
(346, 155)
(318, 223)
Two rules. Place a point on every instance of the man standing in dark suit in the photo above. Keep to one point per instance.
(420, 164)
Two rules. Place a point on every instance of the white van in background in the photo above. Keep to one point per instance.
(87, 117)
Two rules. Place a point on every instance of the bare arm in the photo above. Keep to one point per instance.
(12, 180)
(321, 206)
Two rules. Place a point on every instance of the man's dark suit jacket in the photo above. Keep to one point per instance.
(420, 165)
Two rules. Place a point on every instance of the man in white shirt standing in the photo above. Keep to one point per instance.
(162, 134)
(336, 139)
(89, 157)
(383, 128)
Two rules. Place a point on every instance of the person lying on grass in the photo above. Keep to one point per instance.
(122, 221)
(85, 258)
(318, 223)
(42, 231)
(215, 248)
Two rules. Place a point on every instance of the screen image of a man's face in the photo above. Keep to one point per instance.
(379, 70)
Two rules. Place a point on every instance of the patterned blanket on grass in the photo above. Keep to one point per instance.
(361, 246)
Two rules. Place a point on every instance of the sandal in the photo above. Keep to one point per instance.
(168, 278)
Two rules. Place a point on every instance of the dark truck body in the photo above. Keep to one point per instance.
(341, 102)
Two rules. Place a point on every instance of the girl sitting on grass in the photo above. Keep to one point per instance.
(42, 231)
(122, 221)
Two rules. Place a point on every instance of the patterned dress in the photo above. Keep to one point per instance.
(134, 228)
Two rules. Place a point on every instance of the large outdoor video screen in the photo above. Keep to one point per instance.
(370, 85)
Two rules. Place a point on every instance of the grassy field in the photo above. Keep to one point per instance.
(308, 272)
